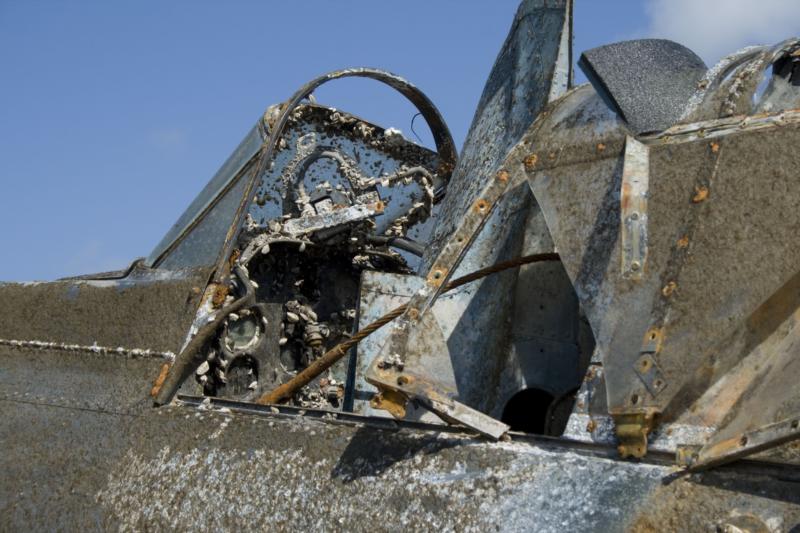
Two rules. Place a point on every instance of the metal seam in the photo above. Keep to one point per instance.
(94, 348)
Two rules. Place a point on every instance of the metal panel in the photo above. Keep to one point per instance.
(148, 310)
(218, 183)
(201, 246)
(204, 468)
(716, 242)
(529, 66)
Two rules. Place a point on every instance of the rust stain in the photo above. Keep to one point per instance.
(502, 175)
(530, 161)
(591, 426)
(160, 379)
(656, 335)
(437, 276)
(683, 242)
(391, 401)
(220, 293)
(625, 197)
(234, 257)
(700, 194)
(601, 147)
(669, 288)
(481, 205)
(714, 147)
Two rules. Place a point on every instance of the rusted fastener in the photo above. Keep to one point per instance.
(700, 194)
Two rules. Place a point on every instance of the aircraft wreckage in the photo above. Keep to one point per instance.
(587, 320)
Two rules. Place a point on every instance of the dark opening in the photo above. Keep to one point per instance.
(527, 410)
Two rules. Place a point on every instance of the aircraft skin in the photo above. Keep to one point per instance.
(624, 361)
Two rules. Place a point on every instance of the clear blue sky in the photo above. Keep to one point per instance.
(114, 115)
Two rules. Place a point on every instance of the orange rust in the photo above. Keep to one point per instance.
(413, 313)
(669, 288)
(625, 196)
(601, 147)
(437, 276)
(220, 293)
(655, 335)
(683, 242)
(714, 147)
(379, 207)
(530, 161)
(700, 194)
(481, 205)
(160, 379)
(234, 257)
(591, 425)
(391, 401)
(502, 175)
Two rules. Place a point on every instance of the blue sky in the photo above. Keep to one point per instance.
(114, 115)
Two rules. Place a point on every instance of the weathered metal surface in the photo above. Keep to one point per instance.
(755, 405)
(662, 339)
(148, 310)
(633, 208)
(746, 83)
(82, 380)
(216, 187)
(675, 243)
(402, 365)
(511, 99)
(380, 293)
(531, 62)
(182, 468)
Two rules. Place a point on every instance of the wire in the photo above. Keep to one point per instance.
(412, 128)
(329, 358)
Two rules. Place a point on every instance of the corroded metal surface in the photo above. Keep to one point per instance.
(199, 469)
(663, 340)
(147, 310)
(477, 228)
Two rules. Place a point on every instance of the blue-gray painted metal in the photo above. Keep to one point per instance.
(220, 182)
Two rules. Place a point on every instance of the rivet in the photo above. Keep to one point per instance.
(700, 194)
(530, 161)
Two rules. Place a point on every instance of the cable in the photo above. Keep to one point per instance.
(329, 358)
(398, 242)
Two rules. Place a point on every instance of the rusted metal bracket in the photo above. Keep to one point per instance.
(646, 367)
(397, 369)
(633, 208)
(748, 443)
(632, 430)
